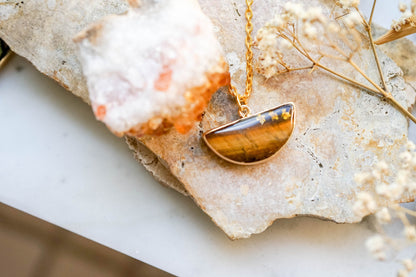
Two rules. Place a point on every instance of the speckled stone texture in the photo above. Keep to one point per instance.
(340, 130)
(43, 32)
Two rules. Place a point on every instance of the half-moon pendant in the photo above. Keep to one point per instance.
(253, 139)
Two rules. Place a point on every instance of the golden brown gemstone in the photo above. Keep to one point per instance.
(255, 138)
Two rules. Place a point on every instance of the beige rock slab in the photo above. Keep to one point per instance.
(340, 130)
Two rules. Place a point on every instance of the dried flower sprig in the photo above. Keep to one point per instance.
(293, 30)
(404, 26)
(389, 186)
(322, 40)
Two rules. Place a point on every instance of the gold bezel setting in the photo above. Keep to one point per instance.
(293, 119)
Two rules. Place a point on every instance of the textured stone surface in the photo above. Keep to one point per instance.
(340, 130)
(154, 165)
(42, 32)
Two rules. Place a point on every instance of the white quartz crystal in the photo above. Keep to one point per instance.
(142, 64)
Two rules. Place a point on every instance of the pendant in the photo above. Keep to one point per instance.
(253, 139)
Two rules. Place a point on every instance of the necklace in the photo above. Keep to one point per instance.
(253, 138)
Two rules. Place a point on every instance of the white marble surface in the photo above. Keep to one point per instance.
(58, 163)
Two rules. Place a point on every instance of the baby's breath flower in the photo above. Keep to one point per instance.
(295, 10)
(402, 7)
(278, 22)
(390, 191)
(402, 273)
(313, 24)
(402, 177)
(268, 61)
(333, 27)
(346, 4)
(376, 174)
(315, 14)
(310, 31)
(405, 157)
(383, 216)
(363, 178)
(408, 264)
(285, 44)
(365, 204)
(410, 146)
(413, 161)
(410, 232)
(382, 189)
(407, 14)
(352, 19)
(268, 40)
(383, 167)
(376, 246)
(411, 187)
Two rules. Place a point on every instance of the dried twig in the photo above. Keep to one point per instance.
(287, 30)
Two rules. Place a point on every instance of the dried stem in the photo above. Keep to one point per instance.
(400, 107)
(372, 12)
(407, 211)
(298, 68)
(378, 90)
(359, 70)
(340, 75)
(369, 30)
(403, 218)
(291, 34)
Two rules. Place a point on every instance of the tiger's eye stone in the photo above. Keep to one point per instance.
(255, 138)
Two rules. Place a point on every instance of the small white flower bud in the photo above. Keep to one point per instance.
(406, 157)
(382, 166)
(402, 7)
(310, 31)
(402, 177)
(408, 264)
(333, 27)
(402, 273)
(352, 19)
(376, 246)
(346, 4)
(285, 44)
(410, 232)
(365, 204)
(410, 146)
(383, 216)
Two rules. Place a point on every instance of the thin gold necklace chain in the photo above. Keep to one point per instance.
(242, 100)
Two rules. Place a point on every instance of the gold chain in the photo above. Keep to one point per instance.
(242, 100)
